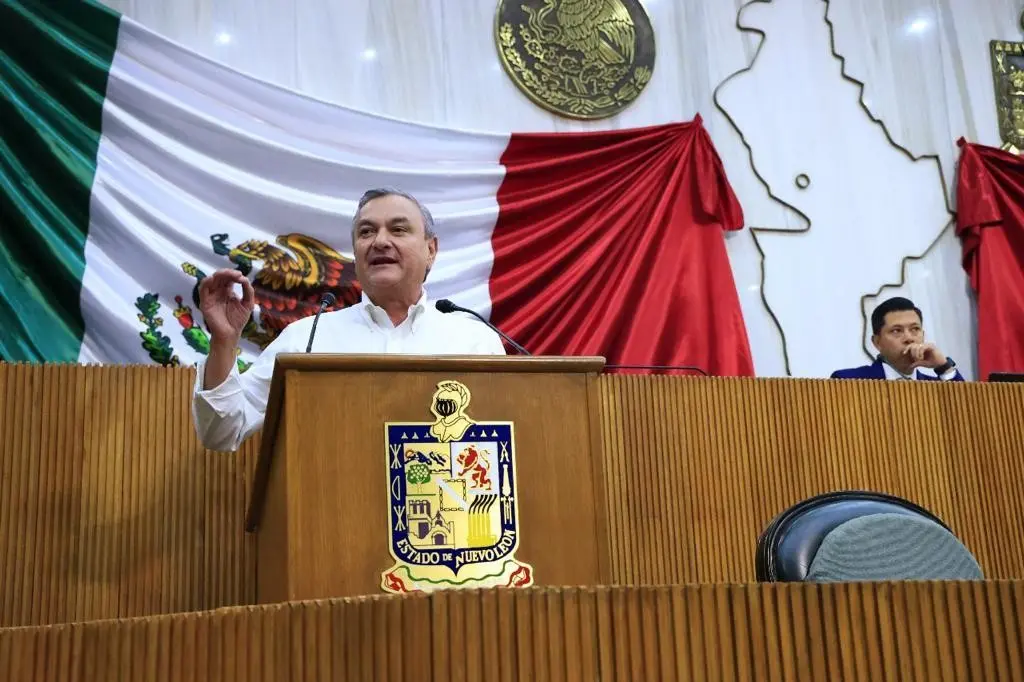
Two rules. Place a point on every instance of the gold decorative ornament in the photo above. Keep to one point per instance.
(453, 501)
(1008, 78)
(584, 59)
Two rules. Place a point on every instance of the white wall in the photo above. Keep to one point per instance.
(875, 131)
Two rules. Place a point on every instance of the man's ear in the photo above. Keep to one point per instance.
(431, 256)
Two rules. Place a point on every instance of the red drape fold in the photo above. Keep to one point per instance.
(990, 224)
(612, 243)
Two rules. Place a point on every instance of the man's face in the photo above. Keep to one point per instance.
(392, 252)
(901, 329)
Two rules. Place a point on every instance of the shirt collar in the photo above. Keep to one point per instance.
(379, 317)
(893, 374)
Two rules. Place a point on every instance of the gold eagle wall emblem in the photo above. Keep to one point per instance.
(584, 59)
(1008, 79)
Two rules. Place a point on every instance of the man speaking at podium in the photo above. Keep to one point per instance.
(394, 248)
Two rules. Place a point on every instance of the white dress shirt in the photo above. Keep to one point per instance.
(893, 374)
(226, 415)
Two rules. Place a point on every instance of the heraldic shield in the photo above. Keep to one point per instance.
(452, 500)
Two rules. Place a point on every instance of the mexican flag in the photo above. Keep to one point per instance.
(130, 168)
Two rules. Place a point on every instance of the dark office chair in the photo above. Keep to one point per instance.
(861, 536)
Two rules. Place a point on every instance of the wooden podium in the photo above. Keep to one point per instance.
(320, 499)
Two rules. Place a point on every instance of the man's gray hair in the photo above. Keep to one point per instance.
(371, 194)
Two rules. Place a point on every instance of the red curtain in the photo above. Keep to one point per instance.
(990, 224)
(611, 243)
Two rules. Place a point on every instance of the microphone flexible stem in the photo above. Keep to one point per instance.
(512, 343)
(326, 301)
(446, 306)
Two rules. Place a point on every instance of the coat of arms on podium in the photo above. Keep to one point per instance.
(452, 500)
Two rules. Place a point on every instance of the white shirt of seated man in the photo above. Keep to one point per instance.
(394, 249)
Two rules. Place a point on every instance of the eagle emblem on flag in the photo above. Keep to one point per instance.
(289, 277)
(452, 500)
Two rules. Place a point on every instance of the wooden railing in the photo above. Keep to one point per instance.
(110, 508)
(902, 632)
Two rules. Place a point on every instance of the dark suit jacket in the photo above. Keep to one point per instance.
(876, 371)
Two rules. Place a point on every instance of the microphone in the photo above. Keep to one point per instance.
(690, 368)
(446, 306)
(326, 302)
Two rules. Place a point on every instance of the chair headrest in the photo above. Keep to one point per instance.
(788, 545)
(892, 547)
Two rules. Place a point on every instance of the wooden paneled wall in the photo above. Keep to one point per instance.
(696, 469)
(900, 632)
(110, 508)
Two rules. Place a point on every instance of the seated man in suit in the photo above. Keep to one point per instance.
(394, 246)
(899, 338)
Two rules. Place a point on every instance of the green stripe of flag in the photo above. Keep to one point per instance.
(54, 62)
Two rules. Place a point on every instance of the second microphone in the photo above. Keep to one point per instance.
(446, 306)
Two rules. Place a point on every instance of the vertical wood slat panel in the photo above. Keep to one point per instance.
(9, 459)
(19, 500)
(324, 640)
(109, 507)
(752, 448)
(46, 520)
